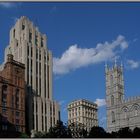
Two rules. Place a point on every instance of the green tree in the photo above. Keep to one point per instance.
(23, 135)
(97, 132)
(39, 135)
(78, 130)
(136, 133)
(125, 133)
(59, 131)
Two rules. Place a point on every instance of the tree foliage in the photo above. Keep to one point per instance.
(78, 131)
(97, 132)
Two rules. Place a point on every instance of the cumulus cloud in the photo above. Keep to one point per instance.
(7, 4)
(133, 64)
(76, 57)
(100, 102)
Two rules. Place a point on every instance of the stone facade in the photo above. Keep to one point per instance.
(121, 112)
(83, 112)
(12, 96)
(29, 46)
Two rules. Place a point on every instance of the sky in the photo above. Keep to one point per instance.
(82, 37)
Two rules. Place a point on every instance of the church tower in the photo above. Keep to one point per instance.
(114, 95)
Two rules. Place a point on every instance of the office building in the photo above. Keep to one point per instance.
(12, 96)
(29, 46)
(83, 112)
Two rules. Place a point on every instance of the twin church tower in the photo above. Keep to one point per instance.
(29, 47)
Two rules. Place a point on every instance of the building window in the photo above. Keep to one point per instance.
(45, 79)
(30, 37)
(17, 121)
(36, 122)
(125, 113)
(4, 119)
(39, 69)
(17, 128)
(14, 33)
(36, 40)
(4, 95)
(17, 98)
(17, 114)
(4, 127)
(45, 108)
(112, 100)
(39, 86)
(42, 123)
(23, 26)
(113, 116)
(27, 50)
(31, 51)
(36, 107)
(48, 81)
(120, 97)
(111, 80)
(41, 42)
(4, 111)
(36, 54)
(135, 110)
(22, 103)
(45, 122)
(40, 55)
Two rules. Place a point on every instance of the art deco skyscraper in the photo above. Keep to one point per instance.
(29, 46)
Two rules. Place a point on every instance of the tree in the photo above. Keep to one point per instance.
(23, 135)
(97, 132)
(136, 133)
(59, 131)
(38, 135)
(77, 130)
(125, 133)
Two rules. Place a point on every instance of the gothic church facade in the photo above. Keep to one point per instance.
(121, 112)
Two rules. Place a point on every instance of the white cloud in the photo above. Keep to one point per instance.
(76, 57)
(133, 64)
(7, 4)
(100, 102)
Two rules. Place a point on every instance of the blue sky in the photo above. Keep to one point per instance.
(82, 36)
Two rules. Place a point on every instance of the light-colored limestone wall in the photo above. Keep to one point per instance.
(80, 111)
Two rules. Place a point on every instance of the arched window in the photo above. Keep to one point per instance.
(113, 116)
(120, 97)
(125, 113)
(111, 79)
(112, 100)
(136, 108)
(23, 26)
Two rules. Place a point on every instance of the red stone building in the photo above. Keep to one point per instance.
(12, 96)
